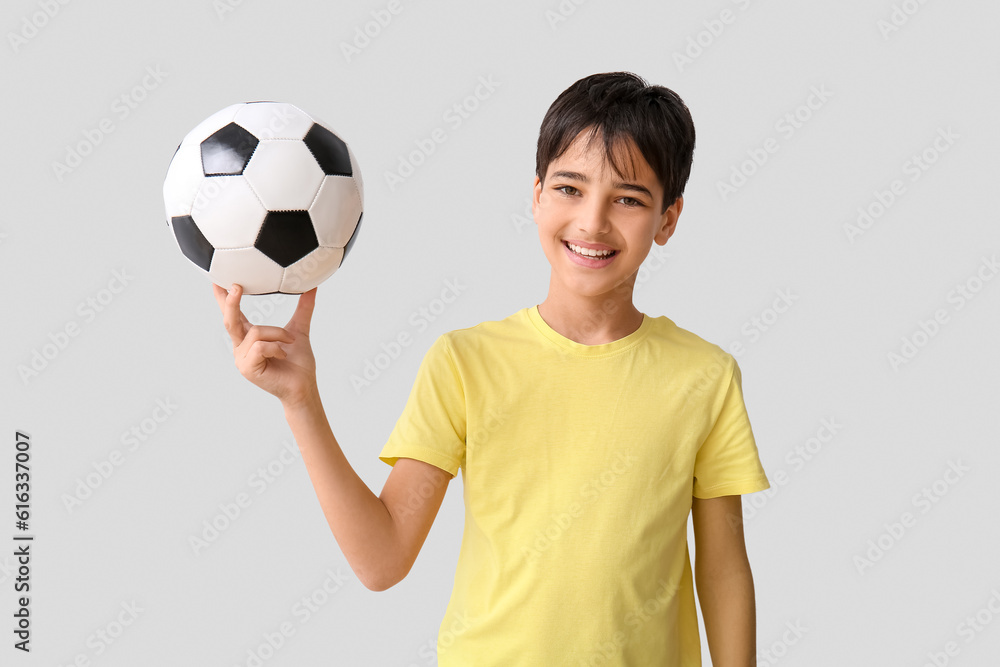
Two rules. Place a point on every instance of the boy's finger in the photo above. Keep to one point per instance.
(267, 334)
(220, 297)
(233, 318)
(302, 316)
(270, 350)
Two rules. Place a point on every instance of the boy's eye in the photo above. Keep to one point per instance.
(570, 191)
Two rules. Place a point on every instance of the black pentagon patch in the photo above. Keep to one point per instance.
(350, 241)
(330, 152)
(227, 152)
(286, 236)
(193, 243)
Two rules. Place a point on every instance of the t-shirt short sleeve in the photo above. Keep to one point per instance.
(432, 425)
(727, 462)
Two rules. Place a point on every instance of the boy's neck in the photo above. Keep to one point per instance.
(591, 320)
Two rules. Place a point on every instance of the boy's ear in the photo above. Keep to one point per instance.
(536, 193)
(668, 222)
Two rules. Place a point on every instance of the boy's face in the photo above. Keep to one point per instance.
(584, 202)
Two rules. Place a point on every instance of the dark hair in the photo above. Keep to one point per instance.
(621, 106)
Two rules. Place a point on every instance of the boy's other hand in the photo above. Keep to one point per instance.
(278, 360)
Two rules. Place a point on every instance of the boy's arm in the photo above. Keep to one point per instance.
(724, 580)
(379, 535)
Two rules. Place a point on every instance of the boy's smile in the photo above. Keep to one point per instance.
(596, 228)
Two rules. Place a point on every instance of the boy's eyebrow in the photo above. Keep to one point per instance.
(619, 185)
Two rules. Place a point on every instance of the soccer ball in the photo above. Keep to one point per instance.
(264, 195)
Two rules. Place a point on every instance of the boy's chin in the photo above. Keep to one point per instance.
(598, 287)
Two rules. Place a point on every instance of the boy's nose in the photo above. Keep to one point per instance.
(593, 219)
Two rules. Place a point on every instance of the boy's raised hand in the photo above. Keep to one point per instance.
(278, 360)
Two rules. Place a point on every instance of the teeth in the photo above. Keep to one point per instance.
(587, 252)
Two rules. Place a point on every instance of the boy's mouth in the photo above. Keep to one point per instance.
(588, 253)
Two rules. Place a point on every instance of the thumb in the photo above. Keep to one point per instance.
(302, 317)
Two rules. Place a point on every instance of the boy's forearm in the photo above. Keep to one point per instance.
(359, 519)
(727, 605)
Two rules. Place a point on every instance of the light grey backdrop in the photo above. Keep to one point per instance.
(840, 225)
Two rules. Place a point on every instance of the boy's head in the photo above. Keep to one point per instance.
(623, 110)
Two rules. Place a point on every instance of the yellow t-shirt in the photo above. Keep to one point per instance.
(578, 465)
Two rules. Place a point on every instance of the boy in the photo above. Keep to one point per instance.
(585, 430)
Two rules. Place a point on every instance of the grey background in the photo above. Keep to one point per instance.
(462, 216)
